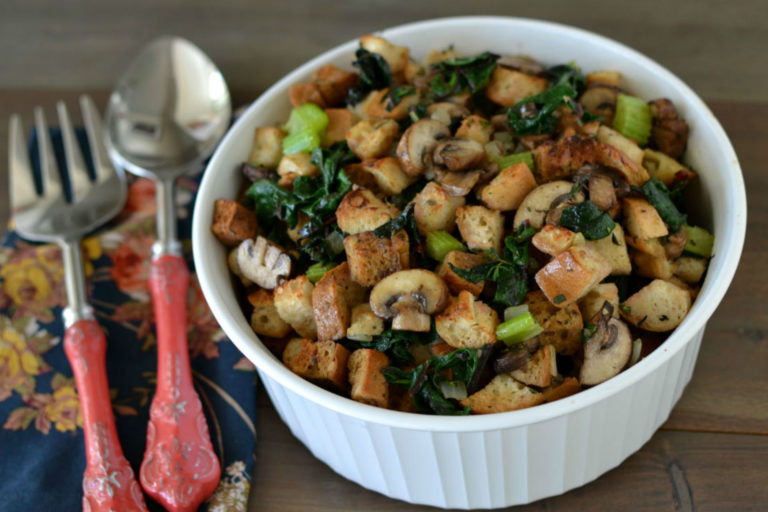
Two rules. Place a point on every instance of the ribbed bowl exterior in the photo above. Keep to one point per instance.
(489, 469)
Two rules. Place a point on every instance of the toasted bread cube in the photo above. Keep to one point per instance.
(572, 274)
(371, 259)
(624, 144)
(539, 369)
(265, 319)
(435, 56)
(340, 120)
(467, 323)
(690, 269)
(476, 128)
(388, 174)
(233, 222)
(569, 386)
(562, 326)
(267, 149)
(502, 394)
(616, 159)
(435, 209)
(658, 307)
(553, 239)
(370, 139)
(508, 86)
(665, 168)
(396, 56)
(293, 300)
(642, 219)
(334, 83)
(323, 362)
(295, 165)
(376, 105)
(612, 78)
(359, 176)
(614, 249)
(440, 349)
(652, 246)
(306, 92)
(559, 159)
(332, 299)
(369, 385)
(507, 189)
(412, 70)
(466, 261)
(364, 323)
(480, 227)
(655, 267)
(592, 303)
(361, 210)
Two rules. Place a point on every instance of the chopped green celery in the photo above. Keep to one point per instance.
(700, 241)
(306, 116)
(304, 141)
(317, 271)
(518, 329)
(633, 118)
(440, 243)
(514, 158)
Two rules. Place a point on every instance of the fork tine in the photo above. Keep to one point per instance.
(92, 121)
(79, 180)
(22, 183)
(50, 177)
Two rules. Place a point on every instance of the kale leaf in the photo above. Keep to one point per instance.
(456, 75)
(660, 197)
(374, 74)
(568, 74)
(423, 381)
(535, 114)
(510, 273)
(586, 218)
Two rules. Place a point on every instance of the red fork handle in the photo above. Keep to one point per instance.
(180, 469)
(108, 481)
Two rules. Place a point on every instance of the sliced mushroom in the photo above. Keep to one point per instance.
(409, 297)
(543, 198)
(521, 63)
(511, 360)
(608, 350)
(447, 112)
(670, 132)
(418, 143)
(262, 263)
(459, 154)
(602, 193)
(600, 100)
(458, 184)
(676, 243)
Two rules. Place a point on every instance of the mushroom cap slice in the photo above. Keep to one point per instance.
(408, 297)
(458, 184)
(607, 351)
(262, 263)
(418, 143)
(600, 100)
(459, 153)
(540, 200)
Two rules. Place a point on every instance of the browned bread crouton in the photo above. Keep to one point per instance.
(592, 303)
(654, 267)
(293, 300)
(396, 56)
(467, 323)
(561, 159)
(322, 362)
(307, 92)
(690, 269)
(562, 326)
(642, 219)
(334, 83)
(389, 176)
(371, 259)
(233, 222)
(369, 385)
(553, 239)
(569, 386)
(539, 369)
(614, 249)
(435, 209)
(340, 120)
(465, 260)
(361, 210)
(508, 86)
(476, 128)
(377, 105)
(364, 324)
(332, 299)
(572, 274)
(507, 189)
(480, 227)
(502, 394)
(293, 166)
(617, 160)
(372, 139)
(265, 319)
(267, 149)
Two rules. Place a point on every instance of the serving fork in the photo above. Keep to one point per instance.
(108, 481)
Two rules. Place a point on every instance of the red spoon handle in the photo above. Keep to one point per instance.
(180, 469)
(108, 481)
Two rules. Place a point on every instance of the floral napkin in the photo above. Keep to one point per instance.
(42, 455)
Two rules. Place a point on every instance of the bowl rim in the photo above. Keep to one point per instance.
(711, 294)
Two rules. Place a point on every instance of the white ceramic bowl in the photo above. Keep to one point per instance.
(500, 459)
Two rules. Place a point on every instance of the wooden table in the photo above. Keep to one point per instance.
(712, 454)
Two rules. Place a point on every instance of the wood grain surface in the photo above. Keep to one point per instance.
(712, 453)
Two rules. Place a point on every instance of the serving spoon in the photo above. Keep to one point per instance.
(169, 110)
